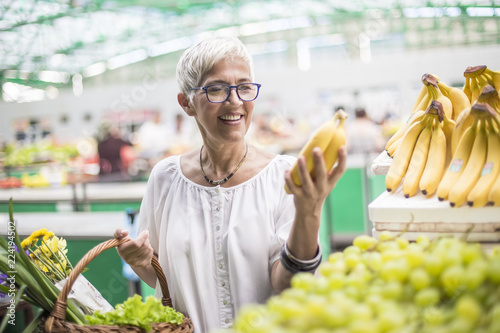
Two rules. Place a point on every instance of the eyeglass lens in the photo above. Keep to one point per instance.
(220, 92)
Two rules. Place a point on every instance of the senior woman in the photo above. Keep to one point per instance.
(224, 229)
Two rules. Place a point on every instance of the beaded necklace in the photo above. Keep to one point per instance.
(222, 181)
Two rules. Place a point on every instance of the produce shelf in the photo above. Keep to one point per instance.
(421, 215)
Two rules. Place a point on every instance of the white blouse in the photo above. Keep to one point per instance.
(217, 245)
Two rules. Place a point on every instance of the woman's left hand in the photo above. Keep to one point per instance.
(314, 191)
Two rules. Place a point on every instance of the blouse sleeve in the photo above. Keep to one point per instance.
(151, 207)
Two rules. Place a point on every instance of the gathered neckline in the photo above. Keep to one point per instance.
(204, 187)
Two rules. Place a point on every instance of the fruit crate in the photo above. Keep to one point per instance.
(421, 215)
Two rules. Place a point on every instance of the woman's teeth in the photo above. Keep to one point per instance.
(230, 117)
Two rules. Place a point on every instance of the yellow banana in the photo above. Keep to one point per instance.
(478, 197)
(393, 147)
(417, 116)
(399, 164)
(331, 152)
(458, 162)
(320, 138)
(436, 95)
(472, 73)
(494, 194)
(466, 89)
(417, 162)
(490, 95)
(448, 129)
(495, 75)
(421, 95)
(472, 171)
(436, 162)
(458, 98)
(463, 122)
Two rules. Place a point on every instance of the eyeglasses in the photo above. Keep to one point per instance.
(218, 93)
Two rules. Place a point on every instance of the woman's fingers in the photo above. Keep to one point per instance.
(120, 233)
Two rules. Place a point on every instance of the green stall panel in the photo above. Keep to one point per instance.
(31, 207)
(104, 272)
(377, 186)
(345, 206)
(114, 206)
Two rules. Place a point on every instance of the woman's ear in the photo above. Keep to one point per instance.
(185, 104)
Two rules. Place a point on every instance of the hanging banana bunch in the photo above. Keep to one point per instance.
(421, 158)
(490, 96)
(453, 100)
(477, 78)
(329, 137)
(473, 171)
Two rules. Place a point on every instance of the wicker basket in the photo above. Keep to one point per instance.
(56, 323)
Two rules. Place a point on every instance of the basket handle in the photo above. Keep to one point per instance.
(59, 310)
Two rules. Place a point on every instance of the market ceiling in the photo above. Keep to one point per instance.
(50, 42)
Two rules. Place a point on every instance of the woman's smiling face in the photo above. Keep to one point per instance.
(229, 120)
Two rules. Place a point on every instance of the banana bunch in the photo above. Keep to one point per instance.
(477, 78)
(473, 174)
(329, 137)
(453, 101)
(490, 96)
(421, 158)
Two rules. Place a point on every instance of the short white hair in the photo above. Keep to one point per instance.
(202, 56)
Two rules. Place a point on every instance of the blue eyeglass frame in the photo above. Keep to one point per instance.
(229, 91)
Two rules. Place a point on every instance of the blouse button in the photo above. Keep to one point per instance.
(217, 228)
(220, 266)
(223, 284)
(225, 303)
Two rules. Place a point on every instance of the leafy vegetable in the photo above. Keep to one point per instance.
(136, 312)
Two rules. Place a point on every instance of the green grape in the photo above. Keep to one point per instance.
(385, 235)
(419, 278)
(472, 253)
(303, 281)
(336, 281)
(423, 241)
(414, 255)
(392, 254)
(392, 320)
(387, 245)
(335, 316)
(336, 256)
(363, 326)
(364, 242)
(433, 264)
(402, 242)
(395, 270)
(352, 249)
(362, 312)
(327, 269)
(433, 316)
(467, 307)
(494, 270)
(475, 274)
(373, 260)
(452, 279)
(460, 325)
(351, 260)
(495, 314)
(392, 290)
(427, 297)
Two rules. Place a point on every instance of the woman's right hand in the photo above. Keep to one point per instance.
(136, 252)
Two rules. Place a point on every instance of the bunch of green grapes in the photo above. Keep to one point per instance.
(388, 285)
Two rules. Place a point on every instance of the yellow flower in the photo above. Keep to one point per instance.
(39, 233)
(26, 242)
(48, 235)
